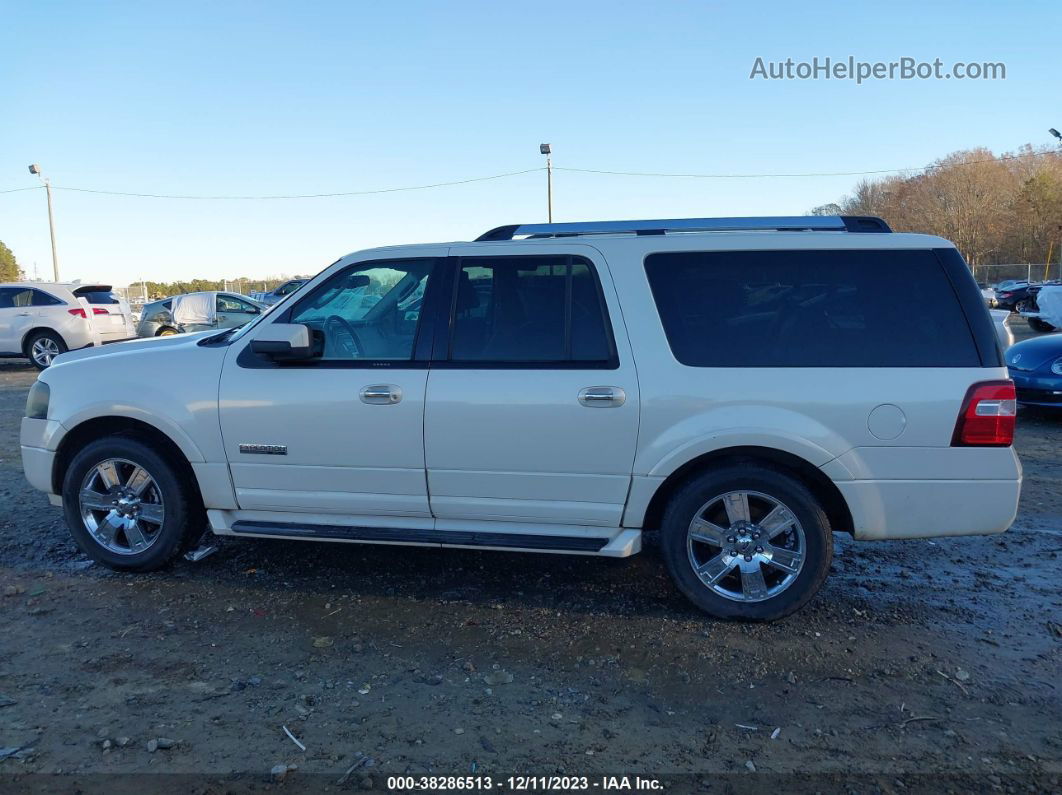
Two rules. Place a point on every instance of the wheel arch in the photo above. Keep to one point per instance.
(36, 330)
(99, 427)
(820, 485)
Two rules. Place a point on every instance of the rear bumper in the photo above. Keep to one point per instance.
(928, 492)
(930, 508)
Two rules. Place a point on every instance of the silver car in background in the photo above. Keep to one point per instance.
(229, 310)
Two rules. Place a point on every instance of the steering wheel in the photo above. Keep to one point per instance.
(346, 340)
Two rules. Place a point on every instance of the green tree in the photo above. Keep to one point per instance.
(9, 270)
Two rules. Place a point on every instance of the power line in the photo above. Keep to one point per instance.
(606, 172)
(302, 195)
(798, 174)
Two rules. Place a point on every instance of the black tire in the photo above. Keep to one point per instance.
(782, 488)
(1036, 324)
(183, 520)
(44, 336)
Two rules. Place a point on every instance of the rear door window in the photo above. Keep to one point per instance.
(529, 309)
(26, 296)
(228, 303)
(21, 297)
(832, 308)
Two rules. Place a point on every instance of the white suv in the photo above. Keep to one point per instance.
(40, 320)
(744, 387)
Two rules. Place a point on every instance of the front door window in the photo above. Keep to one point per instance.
(368, 311)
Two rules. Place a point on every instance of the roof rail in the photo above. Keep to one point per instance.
(785, 223)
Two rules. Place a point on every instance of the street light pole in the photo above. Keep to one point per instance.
(547, 150)
(36, 169)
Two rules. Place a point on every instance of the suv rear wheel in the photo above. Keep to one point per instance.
(747, 542)
(128, 507)
(43, 347)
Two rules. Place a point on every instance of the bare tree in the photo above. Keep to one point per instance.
(996, 209)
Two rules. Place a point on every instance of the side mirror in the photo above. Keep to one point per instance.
(284, 342)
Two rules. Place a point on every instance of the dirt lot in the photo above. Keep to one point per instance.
(921, 665)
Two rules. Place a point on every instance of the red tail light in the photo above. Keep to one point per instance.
(78, 313)
(987, 416)
(97, 311)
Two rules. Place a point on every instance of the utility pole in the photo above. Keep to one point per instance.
(36, 169)
(547, 150)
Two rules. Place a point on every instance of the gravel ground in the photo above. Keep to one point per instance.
(921, 665)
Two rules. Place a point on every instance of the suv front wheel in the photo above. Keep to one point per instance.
(128, 507)
(746, 542)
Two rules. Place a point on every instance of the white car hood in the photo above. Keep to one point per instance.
(132, 346)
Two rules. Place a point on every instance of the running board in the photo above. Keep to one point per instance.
(451, 538)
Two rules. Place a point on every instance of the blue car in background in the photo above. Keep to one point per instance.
(1036, 367)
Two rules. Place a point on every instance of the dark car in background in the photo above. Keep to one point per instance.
(1035, 365)
(1010, 294)
(286, 289)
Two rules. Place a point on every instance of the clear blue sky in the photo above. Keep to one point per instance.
(309, 97)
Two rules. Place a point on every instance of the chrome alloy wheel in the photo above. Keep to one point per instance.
(43, 351)
(746, 546)
(121, 506)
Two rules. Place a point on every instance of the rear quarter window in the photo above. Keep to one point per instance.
(41, 298)
(836, 308)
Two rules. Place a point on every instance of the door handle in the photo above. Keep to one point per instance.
(24, 314)
(381, 394)
(602, 396)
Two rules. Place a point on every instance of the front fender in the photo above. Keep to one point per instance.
(170, 384)
(163, 424)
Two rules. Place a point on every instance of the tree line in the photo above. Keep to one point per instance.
(246, 285)
(996, 209)
(11, 272)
